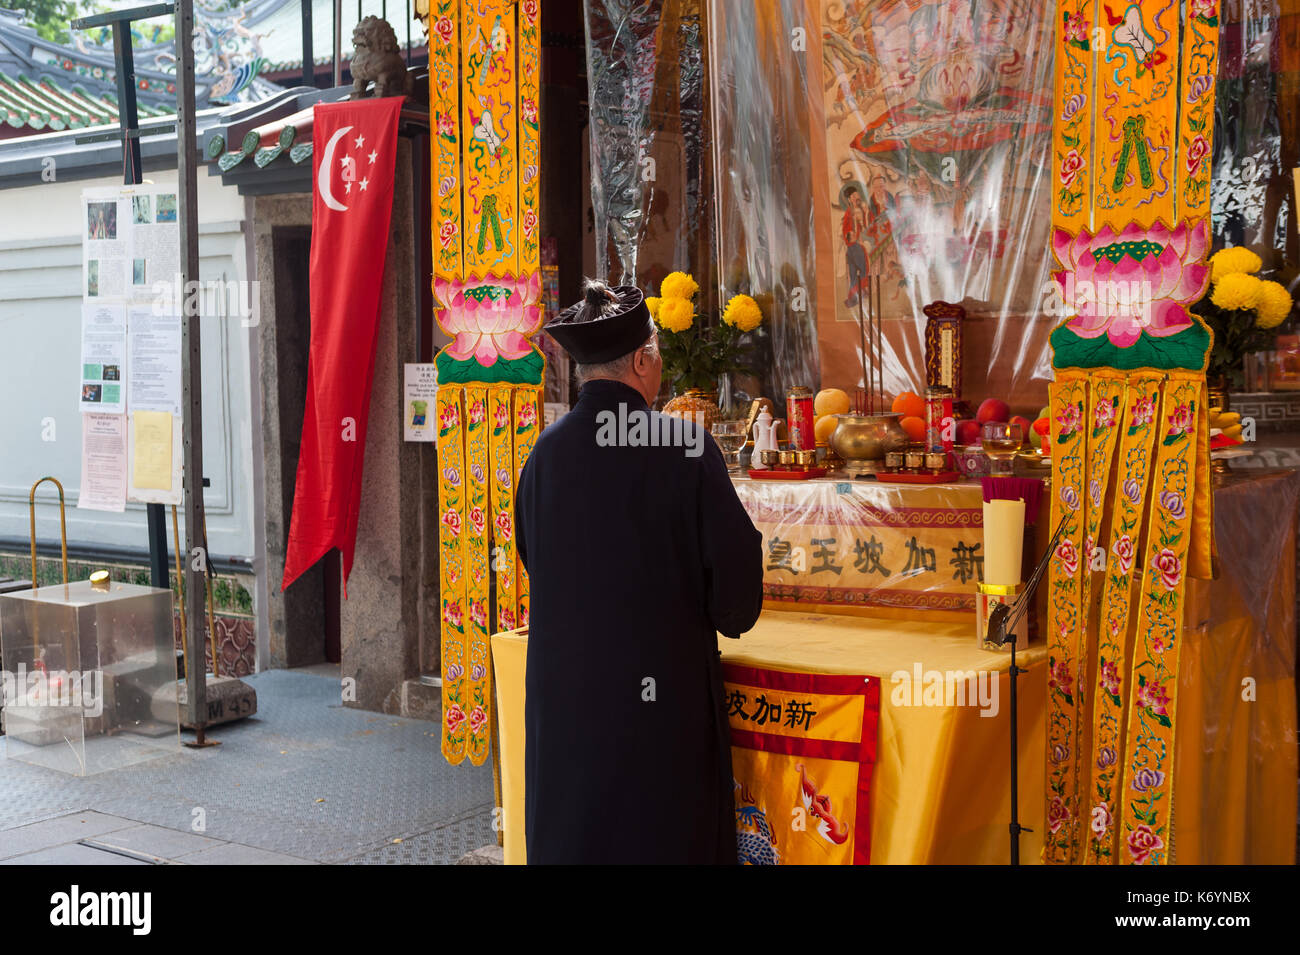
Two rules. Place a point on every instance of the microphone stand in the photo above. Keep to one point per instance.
(1002, 622)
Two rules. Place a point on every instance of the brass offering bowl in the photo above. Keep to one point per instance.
(859, 437)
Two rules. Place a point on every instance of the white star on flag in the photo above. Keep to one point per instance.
(347, 187)
(364, 183)
(360, 140)
(372, 158)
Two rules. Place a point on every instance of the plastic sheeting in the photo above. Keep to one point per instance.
(938, 122)
(646, 93)
(764, 136)
(1250, 193)
(905, 140)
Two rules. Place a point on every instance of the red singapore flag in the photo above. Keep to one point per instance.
(354, 148)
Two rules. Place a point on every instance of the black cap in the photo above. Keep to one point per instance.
(592, 338)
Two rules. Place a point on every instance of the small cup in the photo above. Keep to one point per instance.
(915, 460)
(770, 457)
(936, 461)
(806, 458)
(788, 458)
(895, 460)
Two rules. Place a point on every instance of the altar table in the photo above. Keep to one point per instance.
(940, 792)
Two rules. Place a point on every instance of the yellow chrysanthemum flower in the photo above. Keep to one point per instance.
(1234, 260)
(676, 314)
(1273, 306)
(678, 285)
(1236, 290)
(652, 303)
(743, 312)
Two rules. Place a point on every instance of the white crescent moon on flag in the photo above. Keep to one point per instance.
(325, 175)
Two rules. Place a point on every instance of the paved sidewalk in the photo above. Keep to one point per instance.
(304, 781)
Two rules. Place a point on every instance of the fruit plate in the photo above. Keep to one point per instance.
(775, 475)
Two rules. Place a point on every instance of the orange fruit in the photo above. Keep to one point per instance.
(830, 401)
(823, 428)
(914, 426)
(909, 405)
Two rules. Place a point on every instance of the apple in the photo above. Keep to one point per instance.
(1026, 426)
(968, 432)
(992, 410)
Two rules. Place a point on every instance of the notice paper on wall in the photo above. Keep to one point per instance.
(153, 345)
(103, 462)
(103, 358)
(154, 445)
(153, 243)
(104, 246)
(421, 391)
(130, 244)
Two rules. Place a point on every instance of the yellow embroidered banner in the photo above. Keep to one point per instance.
(1133, 126)
(1067, 602)
(444, 95)
(1138, 428)
(451, 559)
(485, 60)
(528, 424)
(501, 466)
(803, 751)
(1148, 773)
(478, 578)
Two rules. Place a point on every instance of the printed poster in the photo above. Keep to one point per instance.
(103, 358)
(103, 462)
(420, 391)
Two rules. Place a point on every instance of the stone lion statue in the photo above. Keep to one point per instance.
(376, 56)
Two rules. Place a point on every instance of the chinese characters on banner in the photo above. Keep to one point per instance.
(859, 545)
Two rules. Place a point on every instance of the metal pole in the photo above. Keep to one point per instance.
(338, 43)
(191, 377)
(308, 56)
(128, 117)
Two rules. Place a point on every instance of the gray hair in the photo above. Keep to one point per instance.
(617, 367)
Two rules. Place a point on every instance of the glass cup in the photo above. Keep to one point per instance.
(731, 438)
(1002, 442)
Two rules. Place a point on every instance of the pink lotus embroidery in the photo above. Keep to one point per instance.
(1144, 410)
(1139, 280)
(491, 318)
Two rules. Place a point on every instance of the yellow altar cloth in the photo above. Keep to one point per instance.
(941, 770)
(940, 791)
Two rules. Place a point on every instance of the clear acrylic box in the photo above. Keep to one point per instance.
(85, 676)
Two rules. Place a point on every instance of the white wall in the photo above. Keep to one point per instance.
(40, 302)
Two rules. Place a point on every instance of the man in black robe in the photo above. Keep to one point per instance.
(638, 553)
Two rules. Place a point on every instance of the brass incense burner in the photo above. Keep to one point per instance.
(863, 440)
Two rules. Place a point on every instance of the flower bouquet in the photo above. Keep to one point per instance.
(1242, 310)
(697, 352)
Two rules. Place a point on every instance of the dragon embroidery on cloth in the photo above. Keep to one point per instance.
(755, 840)
(820, 807)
